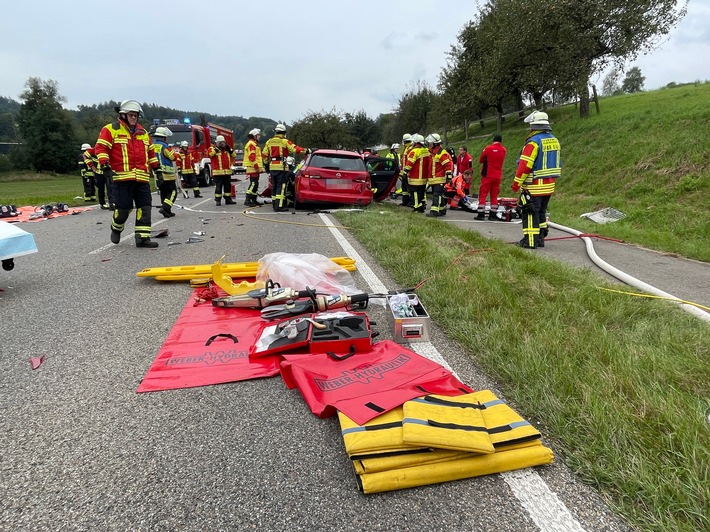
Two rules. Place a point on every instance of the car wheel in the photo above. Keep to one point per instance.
(206, 179)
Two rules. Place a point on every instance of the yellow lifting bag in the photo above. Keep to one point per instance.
(379, 436)
(505, 426)
(453, 423)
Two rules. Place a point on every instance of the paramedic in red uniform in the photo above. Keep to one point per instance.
(538, 168)
(124, 150)
(456, 189)
(491, 160)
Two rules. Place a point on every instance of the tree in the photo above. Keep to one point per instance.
(46, 128)
(323, 130)
(610, 85)
(633, 82)
(363, 128)
(414, 109)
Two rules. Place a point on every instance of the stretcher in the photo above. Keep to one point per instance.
(14, 242)
(236, 270)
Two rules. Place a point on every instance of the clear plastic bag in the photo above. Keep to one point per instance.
(306, 270)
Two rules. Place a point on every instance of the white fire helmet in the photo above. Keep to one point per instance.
(538, 120)
(162, 131)
(433, 138)
(85, 147)
(417, 138)
(128, 106)
(406, 138)
(184, 144)
(290, 160)
(395, 146)
(254, 132)
(219, 139)
(280, 128)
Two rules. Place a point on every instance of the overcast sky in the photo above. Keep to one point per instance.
(275, 59)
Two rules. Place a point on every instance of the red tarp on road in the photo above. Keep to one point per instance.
(184, 361)
(366, 385)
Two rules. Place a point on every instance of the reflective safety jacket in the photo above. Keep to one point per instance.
(540, 164)
(492, 159)
(129, 153)
(458, 187)
(166, 158)
(405, 151)
(221, 160)
(443, 167)
(252, 157)
(89, 163)
(276, 149)
(186, 161)
(418, 167)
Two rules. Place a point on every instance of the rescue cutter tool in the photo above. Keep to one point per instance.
(262, 297)
(315, 303)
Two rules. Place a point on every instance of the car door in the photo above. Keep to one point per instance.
(383, 175)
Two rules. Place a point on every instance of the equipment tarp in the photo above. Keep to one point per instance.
(366, 385)
(184, 361)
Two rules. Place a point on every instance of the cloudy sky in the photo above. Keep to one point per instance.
(276, 59)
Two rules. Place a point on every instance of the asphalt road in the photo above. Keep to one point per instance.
(80, 450)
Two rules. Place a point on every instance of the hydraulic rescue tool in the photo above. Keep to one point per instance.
(315, 303)
(262, 297)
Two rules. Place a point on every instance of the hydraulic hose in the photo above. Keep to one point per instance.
(628, 279)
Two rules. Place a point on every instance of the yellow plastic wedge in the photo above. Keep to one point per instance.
(225, 282)
(236, 270)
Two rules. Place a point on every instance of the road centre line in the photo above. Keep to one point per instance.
(544, 506)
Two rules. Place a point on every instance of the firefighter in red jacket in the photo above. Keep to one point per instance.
(253, 165)
(125, 152)
(186, 163)
(456, 189)
(275, 152)
(221, 158)
(538, 168)
(418, 171)
(491, 160)
(87, 166)
(442, 172)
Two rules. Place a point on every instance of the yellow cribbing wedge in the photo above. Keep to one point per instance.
(379, 436)
(505, 426)
(457, 469)
(225, 282)
(236, 270)
(454, 423)
(387, 463)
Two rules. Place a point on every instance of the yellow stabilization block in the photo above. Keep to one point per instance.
(236, 270)
(457, 469)
(453, 423)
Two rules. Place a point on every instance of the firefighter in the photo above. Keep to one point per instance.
(442, 173)
(166, 184)
(393, 153)
(187, 168)
(124, 152)
(275, 152)
(538, 168)
(221, 158)
(455, 191)
(253, 165)
(491, 160)
(86, 167)
(404, 186)
(418, 171)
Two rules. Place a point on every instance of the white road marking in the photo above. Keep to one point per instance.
(544, 506)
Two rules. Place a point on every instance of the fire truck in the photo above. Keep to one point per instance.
(199, 139)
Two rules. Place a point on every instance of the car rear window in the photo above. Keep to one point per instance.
(337, 162)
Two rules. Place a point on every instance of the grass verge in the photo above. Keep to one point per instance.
(621, 383)
(22, 189)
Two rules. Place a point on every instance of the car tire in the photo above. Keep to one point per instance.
(206, 177)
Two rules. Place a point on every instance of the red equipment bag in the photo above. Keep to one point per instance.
(365, 385)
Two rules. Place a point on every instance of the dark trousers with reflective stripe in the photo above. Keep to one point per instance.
(129, 193)
(536, 221)
(279, 180)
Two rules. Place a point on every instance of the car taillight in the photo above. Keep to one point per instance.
(308, 175)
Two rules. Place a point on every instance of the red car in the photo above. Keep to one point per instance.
(343, 177)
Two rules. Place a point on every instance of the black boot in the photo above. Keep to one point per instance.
(493, 216)
(166, 212)
(218, 202)
(145, 242)
(480, 216)
(197, 194)
(115, 236)
(229, 201)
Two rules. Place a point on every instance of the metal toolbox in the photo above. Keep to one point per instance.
(413, 327)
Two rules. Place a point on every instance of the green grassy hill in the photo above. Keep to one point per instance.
(644, 154)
